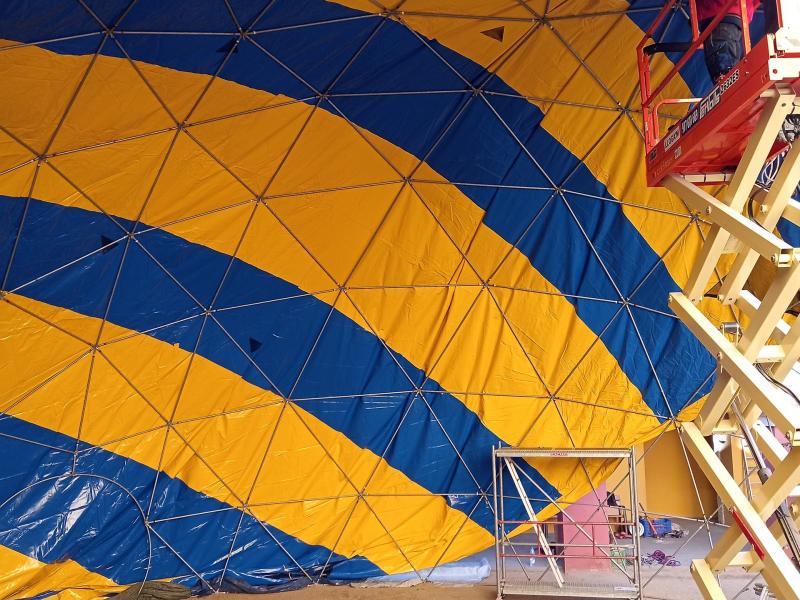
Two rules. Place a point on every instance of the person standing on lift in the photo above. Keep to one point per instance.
(724, 47)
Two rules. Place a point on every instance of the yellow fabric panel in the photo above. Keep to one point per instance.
(307, 461)
(336, 228)
(120, 105)
(544, 68)
(20, 378)
(317, 163)
(589, 427)
(247, 156)
(24, 577)
(215, 102)
(189, 173)
(497, 365)
(12, 155)
(180, 100)
(53, 75)
(286, 258)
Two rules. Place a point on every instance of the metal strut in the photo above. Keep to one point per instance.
(625, 557)
(551, 561)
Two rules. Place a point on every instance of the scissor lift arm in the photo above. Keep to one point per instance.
(726, 138)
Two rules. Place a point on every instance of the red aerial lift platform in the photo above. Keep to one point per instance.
(727, 137)
(707, 144)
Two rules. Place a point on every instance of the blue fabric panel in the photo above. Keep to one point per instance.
(789, 232)
(178, 15)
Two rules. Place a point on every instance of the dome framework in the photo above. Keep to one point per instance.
(277, 276)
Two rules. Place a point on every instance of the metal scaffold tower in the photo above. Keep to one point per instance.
(591, 536)
(726, 139)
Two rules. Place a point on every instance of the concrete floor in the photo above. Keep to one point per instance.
(660, 583)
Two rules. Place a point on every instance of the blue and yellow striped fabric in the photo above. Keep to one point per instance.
(277, 276)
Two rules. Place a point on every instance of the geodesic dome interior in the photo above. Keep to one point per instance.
(278, 275)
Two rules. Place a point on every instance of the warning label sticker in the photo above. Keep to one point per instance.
(708, 103)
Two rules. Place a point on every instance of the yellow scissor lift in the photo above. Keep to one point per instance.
(725, 139)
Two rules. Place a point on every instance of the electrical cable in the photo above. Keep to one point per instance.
(782, 513)
(777, 383)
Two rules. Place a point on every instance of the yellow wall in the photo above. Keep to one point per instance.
(664, 483)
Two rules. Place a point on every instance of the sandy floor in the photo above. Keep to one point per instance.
(426, 591)
(669, 583)
(677, 586)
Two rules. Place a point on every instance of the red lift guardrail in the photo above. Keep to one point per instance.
(648, 95)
